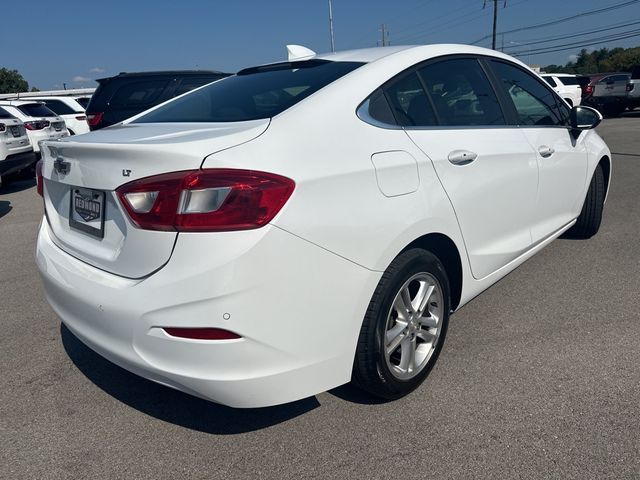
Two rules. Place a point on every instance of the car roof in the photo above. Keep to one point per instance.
(17, 103)
(560, 74)
(371, 55)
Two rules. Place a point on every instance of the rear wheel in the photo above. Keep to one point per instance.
(404, 327)
(588, 222)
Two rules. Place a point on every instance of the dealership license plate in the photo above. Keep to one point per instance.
(87, 211)
(15, 131)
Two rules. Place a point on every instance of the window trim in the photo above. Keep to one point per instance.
(415, 69)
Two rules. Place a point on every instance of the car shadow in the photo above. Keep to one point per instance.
(170, 405)
(351, 393)
(18, 186)
(5, 207)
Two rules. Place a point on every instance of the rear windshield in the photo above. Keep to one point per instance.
(569, 80)
(35, 110)
(254, 93)
(4, 113)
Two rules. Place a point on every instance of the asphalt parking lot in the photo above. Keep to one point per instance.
(539, 378)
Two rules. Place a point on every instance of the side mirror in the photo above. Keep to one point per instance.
(584, 118)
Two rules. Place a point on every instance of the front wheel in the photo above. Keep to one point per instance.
(404, 327)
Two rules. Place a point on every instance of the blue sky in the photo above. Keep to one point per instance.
(76, 41)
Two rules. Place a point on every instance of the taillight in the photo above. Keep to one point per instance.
(37, 124)
(630, 87)
(2, 127)
(201, 333)
(588, 90)
(95, 119)
(81, 117)
(210, 200)
(39, 179)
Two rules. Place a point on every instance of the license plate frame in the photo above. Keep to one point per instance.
(86, 211)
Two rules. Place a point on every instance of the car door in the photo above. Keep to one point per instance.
(562, 158)
(451, 112)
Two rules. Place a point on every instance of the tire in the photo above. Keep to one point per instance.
(387, 328)
(588, 222)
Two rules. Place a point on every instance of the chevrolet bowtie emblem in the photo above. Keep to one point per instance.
(61, 167)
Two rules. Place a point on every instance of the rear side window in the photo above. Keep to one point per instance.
(635, 72)
(4, 113)
(569, 80)
(260, 92)
(461, 93)
(535, 103)
(59, 107)
(409, 103)
(36, 110)
(83, 101)
(551, 81)
(378, 108)
(138, 93)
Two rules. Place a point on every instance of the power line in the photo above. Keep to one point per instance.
(575, 45)
(565, 19)
(581, 34)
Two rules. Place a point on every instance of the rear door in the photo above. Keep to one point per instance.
(487, 168)
(562, 159)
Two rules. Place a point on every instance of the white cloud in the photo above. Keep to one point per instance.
(97, 70)
(573, 58)
(80, 79)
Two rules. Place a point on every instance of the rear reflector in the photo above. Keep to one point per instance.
(202, 333)
(210, 200)
(39, 179)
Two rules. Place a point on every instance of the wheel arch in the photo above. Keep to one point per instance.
(447, 252)
(605, 161)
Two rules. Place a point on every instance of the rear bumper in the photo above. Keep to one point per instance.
(297, 307)
(16, 162)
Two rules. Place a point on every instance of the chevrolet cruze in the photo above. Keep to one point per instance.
(307, 223)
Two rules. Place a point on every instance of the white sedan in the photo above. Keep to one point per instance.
(307, 223)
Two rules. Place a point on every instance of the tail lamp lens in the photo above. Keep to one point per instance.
(39, 179)
(95, 119)
(207, 200)
(36, 125)
(2, 127)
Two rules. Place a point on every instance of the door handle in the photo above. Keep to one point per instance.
(462, 157)
(545, 151)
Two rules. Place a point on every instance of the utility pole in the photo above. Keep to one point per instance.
(385, 35)
(495, 20)
(333, 45)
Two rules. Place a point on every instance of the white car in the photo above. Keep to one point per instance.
(71, 111)
(16, 153)
(40, 122)
(565, 85)
(298, 225)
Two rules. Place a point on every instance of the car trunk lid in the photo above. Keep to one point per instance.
(80, 175)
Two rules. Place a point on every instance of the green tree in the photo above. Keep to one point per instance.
(12, 82)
